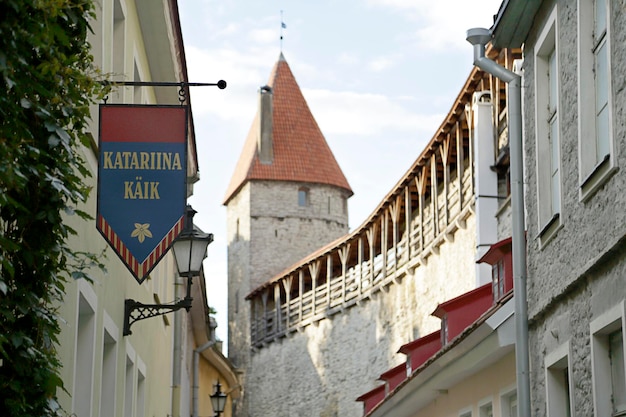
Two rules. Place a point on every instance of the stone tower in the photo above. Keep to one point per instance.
(286, 199)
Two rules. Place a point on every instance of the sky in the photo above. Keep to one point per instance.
(378, 75)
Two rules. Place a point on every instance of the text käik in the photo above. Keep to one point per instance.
(141, 190)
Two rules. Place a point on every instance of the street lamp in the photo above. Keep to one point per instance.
(189, 251)
(190, 247)
(218, 399)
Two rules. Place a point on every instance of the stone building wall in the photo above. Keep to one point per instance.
(283, 232)
(321, 369)
(578, 274)
(267, 231)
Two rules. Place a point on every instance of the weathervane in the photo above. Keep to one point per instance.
(282, 26)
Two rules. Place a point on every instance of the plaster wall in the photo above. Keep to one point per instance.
(492, 385)
(579, 273)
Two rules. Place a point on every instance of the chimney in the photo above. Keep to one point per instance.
(265, 147)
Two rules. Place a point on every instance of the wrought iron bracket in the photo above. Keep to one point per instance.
(135, 310)
(221, 84)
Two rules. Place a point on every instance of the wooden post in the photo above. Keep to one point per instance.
(343, 256)
(287, 283)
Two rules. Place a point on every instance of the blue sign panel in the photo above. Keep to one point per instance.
(142, 174)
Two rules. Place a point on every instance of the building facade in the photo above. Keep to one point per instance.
(151, 371)
(574, 101)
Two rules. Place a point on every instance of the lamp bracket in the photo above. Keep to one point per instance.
(135, 310)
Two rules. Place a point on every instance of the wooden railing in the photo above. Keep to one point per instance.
(331, 296)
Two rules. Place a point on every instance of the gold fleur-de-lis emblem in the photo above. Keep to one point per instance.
(141, 232)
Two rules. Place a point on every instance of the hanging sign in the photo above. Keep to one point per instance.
(142, 173)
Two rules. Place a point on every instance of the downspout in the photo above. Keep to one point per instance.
(177, 354)
(479, 37)
(196, 372)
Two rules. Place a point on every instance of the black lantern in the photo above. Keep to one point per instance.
(218, 399)
(189, 251)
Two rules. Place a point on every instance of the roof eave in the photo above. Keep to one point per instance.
(491, 338)
(513, 22)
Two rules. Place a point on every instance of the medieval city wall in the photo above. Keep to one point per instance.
(322, 368)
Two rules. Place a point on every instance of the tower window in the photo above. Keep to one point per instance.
(303, 197)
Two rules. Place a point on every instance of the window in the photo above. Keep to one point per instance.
(119, 37)
(303, 197)
(558, 384)
(109, 367)
(607, 353)
(508, 403)
(616, 359)
(485, 410)
(129, 387)
(84, 356)
(140, 406)
(595, 132)
(547, 129)
(497, 279)
(467, 413)
(601, 73)
(444, 330)
(137, 90)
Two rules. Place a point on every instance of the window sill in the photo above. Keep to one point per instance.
(505, 204)
(597, 178)
(549, 230)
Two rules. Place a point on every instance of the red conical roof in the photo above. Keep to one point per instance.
(300, 152)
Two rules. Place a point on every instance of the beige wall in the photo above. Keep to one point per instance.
(492, 385)
(103, 371)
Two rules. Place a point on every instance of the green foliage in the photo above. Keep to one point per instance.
(47, 82)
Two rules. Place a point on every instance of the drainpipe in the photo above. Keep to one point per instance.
(479, 37)
(177, 354)
(196, 372)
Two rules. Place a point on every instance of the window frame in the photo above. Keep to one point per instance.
(557, 395)
(594, 169)
(507, 398)
(484, 406)
(547, 116)
(600, 328)
(498, 279)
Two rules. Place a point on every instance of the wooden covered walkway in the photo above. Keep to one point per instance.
(425, 209)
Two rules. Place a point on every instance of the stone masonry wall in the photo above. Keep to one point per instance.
(258, 219)
(280, 226)
(322, 369)
(580, 273)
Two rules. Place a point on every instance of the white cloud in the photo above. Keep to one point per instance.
(263, 36)
(349, 113)
(381, 64)
(443, 23)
